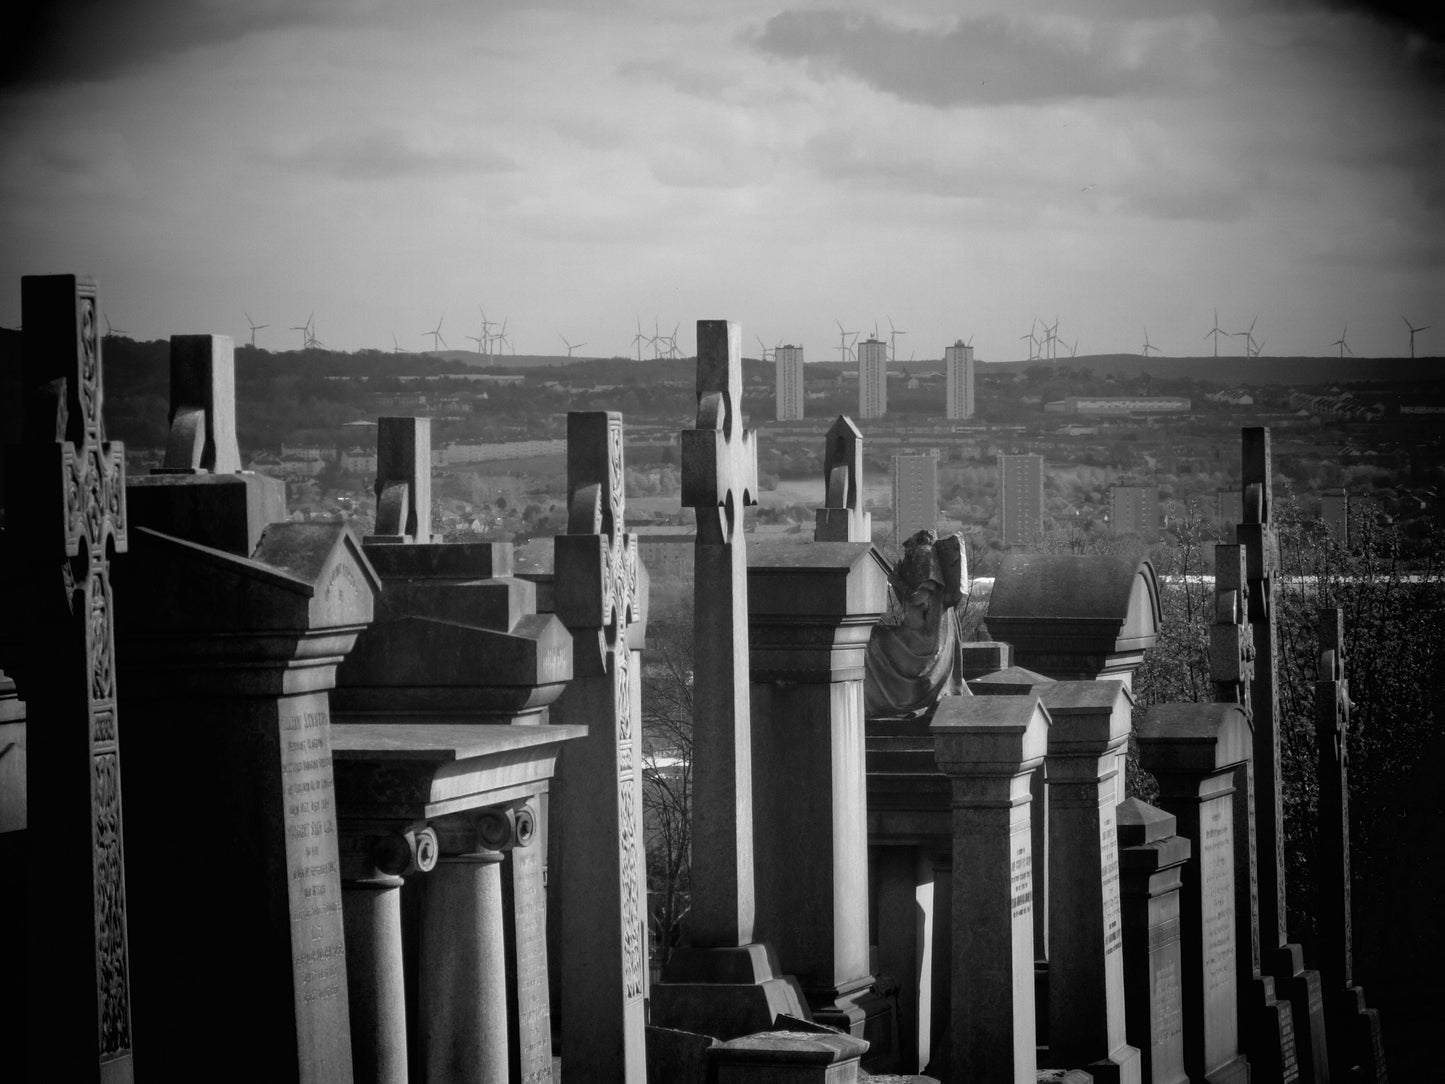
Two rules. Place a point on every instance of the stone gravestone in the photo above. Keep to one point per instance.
(1266, 1023)
(1151, 856)
(842, 518)
(724, 982)
(1194, 751)
(599, 590)
(1089, 724)
(1279, 957)
(811, 611)
(65, 519)
(403, 480)
(1356, 1047)
(989, 747)
(232, 658)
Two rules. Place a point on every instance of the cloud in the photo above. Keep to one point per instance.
(384, 154)
(990, 59)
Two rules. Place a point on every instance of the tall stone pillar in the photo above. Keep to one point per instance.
(988, 747)
(1279, 957)
(725, 982)
(1090, 724)
(372, 863)
(812, 609)
(462, 1001)
(1194, 751)
(599, 593)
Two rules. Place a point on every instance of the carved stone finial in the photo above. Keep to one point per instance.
(842, 519)
(403, 480)
(719, 457)
(202, 416)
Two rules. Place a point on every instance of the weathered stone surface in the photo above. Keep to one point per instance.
(989, 748)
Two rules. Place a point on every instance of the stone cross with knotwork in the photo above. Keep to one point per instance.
(1231, 639)
(66, 517)
(1256, 535)
(842, 519)
(600, 592)
(719, 479)
(1332, 721)
(403, 480)
(202, 420)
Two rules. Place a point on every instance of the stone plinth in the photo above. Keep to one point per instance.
(1150, 859)
(983, 657)
(988, 747)
(812, 610)
(788, 1056)
(1090, 725)
(1195, 751)
(231, 660)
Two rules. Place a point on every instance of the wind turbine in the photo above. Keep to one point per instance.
(570, 346)
(1051, 338)
(1148, 346)
(845, 348)
(763, 347)
(1414, 329)
(1032, 339)
(109, 331)
(893, 334)
(436, 335)
(1074, 350)
(255, 327)
(1258, 348)
(305, 330)
(1216, 331)
(478, 340)
(1340, 342)
(395, 346)
(1248, 334)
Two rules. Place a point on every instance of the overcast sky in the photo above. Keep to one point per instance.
(576, 166)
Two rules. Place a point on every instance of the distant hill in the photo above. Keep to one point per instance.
(1291, 371)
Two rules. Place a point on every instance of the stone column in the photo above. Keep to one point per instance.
(64, 492)
(1150, 858)
(1193, 750)
(1090, 724)
(599, 595)
(371, 868)
(812, 611)
(988, 747)
(1354, 1030)
(462, 999)
(1279, 957)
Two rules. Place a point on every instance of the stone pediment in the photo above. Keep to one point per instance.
(309, 577)
(1003, 732)
(1087, 715)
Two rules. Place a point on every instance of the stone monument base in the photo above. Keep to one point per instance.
(1267, 1032)
(725, 992)
(1301, 988)
(863, 1012)
(1123, 1066)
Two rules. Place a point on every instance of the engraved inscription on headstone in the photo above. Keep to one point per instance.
(534, 1014)
(1109, 857)
(312, 861)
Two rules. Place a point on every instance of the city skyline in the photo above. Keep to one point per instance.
(1093, 168)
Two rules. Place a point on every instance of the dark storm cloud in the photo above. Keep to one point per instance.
(987, 60)
(65, 41)
(384, 154)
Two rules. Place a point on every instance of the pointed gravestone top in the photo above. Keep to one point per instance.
(1141, 823)
(203, 406)
(403, 480)
(842, 519)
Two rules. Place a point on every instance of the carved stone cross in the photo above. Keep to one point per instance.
(842, 519)
(719, 479)
(203, 406)
(66, 516)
